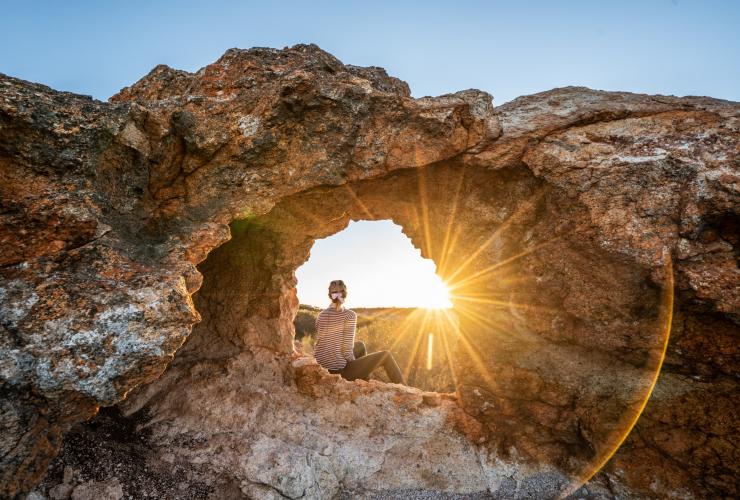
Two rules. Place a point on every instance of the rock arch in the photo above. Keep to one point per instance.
(581, 196)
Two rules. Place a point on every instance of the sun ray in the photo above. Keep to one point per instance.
(503, 283)
(483, 273)
(417, 343)
(503, 280)
(521, 209)
(445, 260)
(483, 322)
(317, 221)
(447, 245)
(421, 178)
(412, 214)
(477, 362)
(405, 326)
(446, 345)
(359, 202)
(430, 348)
(508, 304)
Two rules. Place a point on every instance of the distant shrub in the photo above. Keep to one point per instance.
(305, 322)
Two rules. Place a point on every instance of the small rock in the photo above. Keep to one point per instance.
(431, 399)
(248, 125)
(60, 491)
(69, 474)
(102, 490)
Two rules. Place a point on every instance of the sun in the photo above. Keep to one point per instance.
(433, 295)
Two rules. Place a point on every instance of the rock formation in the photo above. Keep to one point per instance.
(149, 244)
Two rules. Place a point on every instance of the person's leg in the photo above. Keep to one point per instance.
(359, 349)
(364, 366)
(393, 370)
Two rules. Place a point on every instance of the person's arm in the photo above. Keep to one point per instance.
(348, 337)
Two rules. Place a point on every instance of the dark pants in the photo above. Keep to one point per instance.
(364, 364)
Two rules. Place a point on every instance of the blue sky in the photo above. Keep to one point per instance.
(379, 265)
(507, 48)
(511, 48)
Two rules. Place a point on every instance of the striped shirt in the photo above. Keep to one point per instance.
(335, 339)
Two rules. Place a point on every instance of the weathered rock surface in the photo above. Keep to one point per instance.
(149, 246)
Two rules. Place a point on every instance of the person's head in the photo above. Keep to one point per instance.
(337, 291)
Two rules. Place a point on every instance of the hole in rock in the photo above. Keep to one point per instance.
(402, 305)
(557, 339)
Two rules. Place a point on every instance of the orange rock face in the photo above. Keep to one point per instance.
(149, 247)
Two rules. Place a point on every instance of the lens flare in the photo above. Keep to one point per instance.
(429, 350)
(629, 419)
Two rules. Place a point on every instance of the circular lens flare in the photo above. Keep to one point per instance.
(630, 418)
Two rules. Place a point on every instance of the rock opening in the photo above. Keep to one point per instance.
(536, 352)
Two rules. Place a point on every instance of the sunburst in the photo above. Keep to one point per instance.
(455, 287)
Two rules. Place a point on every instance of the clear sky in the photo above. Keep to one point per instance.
(379, 265)
(507, 48)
